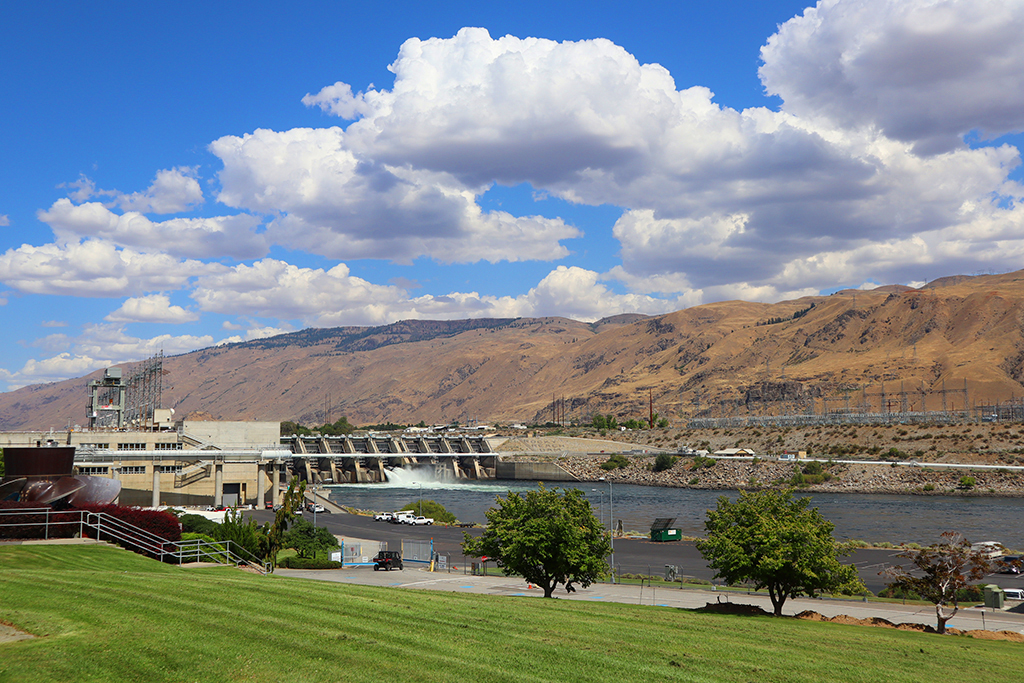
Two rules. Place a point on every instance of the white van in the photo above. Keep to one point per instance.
(1013, 593)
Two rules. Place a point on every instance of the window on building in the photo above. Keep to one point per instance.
(94, 470)
(167, 446)
(105, 446)
(131, 446)
(135, 469)
(169, 469)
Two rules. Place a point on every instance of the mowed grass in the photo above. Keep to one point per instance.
(103, 614)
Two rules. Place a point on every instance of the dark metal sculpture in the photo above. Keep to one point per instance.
(46, 475)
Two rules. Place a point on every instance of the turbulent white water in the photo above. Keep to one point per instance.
(422, 478)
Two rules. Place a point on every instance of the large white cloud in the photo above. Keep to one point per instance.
(313, 296)
(587, 122)
(924, 71)
(335, 202)
(213, 237)
(154, 308)
(173, 191)
(99, 346)
(96, 268)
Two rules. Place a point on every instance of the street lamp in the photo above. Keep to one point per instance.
(611, 519)
(316, 487)
(600, 493)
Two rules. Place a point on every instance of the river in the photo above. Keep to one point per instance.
(869, 517)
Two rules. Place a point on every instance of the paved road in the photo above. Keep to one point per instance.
(421, 579)
(635, 556)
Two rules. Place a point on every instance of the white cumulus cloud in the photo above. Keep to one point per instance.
(186, 237)
(923, 71)
(153, 308)
(95, 268)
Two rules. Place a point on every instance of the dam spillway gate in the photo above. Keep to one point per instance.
(365, 459)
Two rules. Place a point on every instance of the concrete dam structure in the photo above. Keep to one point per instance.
(366, 459)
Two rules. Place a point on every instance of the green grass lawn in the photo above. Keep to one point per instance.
(104, 614)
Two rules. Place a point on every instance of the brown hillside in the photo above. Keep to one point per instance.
(729, 357)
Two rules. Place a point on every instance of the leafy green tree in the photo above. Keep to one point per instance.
(284, 516)
(546, 537)
(308, 540)
(774, 541)
(246, 533)
(946, 569)
(338, 428)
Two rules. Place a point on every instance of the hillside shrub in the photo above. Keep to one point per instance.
(665, 461)
(197, 524)
(32, 525)
(616, 461)
(156, 522)
(701, 462)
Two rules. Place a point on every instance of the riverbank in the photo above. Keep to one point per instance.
(730, 474)
(582, 450)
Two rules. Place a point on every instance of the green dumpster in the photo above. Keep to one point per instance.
(662, 530)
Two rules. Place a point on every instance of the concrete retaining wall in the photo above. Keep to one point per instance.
(531, 471)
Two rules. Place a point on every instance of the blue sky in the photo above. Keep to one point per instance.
(179, 175)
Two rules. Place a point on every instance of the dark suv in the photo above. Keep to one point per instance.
(387, 559)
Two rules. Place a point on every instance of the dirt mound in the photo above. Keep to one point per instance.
(811, 615)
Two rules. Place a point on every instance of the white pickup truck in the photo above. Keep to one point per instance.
(421, 520)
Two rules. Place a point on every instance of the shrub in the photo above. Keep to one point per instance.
(31, 525)
(197, 524)
(701, 462)
(898, 593)
(246, 533)
(296, 562)
(929, 486)
(430, 508)
(616, 461)
(664, 461)
(967, 482)
(157, 522)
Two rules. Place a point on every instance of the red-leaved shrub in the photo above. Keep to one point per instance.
(43, 522)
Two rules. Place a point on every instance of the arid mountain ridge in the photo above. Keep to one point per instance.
(723, 358)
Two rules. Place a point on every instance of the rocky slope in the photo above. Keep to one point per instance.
(853, 348)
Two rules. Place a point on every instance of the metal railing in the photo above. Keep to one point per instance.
(46, 524)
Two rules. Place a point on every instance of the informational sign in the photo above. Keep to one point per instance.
(336, 556)
(442, 563)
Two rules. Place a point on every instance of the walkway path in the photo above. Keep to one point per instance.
(421, 579)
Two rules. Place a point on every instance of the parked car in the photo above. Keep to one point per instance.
(270, 506)
(317, 507)
(421, 520)
(387, 560)
(402, 517)
(384, 516)
(1009, 564)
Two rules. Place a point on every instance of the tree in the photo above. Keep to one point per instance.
(776, 542)
(947, 567)
(546, 537)
(309, 540)
(246, 533)
(284, 516)
(432, 509)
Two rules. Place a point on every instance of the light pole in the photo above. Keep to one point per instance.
(611, 525)
(600, 493)
(315, 488)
